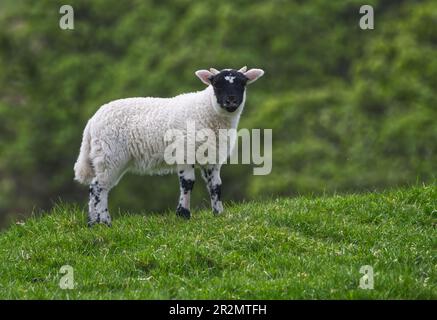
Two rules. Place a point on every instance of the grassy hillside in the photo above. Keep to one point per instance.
(350, 109)
(284, 248)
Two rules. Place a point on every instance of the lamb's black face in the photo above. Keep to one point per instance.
(229, 86)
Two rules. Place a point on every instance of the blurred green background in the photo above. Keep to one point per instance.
(351, 110)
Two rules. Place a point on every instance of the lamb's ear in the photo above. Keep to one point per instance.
(205, 76)
(253, 74)
(214, 71)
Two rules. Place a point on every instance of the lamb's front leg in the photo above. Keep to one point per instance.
(186, 182)
(211, 175)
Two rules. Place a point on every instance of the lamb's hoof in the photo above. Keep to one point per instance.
(91, 223)
(218, 208)
(106, 223)
(183, 212)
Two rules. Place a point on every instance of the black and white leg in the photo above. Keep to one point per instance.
(98, 204)
(186, 182)
(211, 175)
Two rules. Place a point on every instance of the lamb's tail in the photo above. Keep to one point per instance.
(83, 169)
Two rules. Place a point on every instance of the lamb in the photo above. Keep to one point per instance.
(128, 135)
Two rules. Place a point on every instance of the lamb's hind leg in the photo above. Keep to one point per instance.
(109, 160)
(98, 204)
(104, 181)
(186, 182)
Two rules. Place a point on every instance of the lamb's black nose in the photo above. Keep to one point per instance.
(231, 99)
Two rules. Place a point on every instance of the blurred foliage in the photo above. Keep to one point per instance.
(350, 109)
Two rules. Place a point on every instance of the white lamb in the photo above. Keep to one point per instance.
(128, 135)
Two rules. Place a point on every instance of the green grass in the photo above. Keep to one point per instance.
(280, 249)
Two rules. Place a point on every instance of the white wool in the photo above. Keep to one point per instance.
(128, 134)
